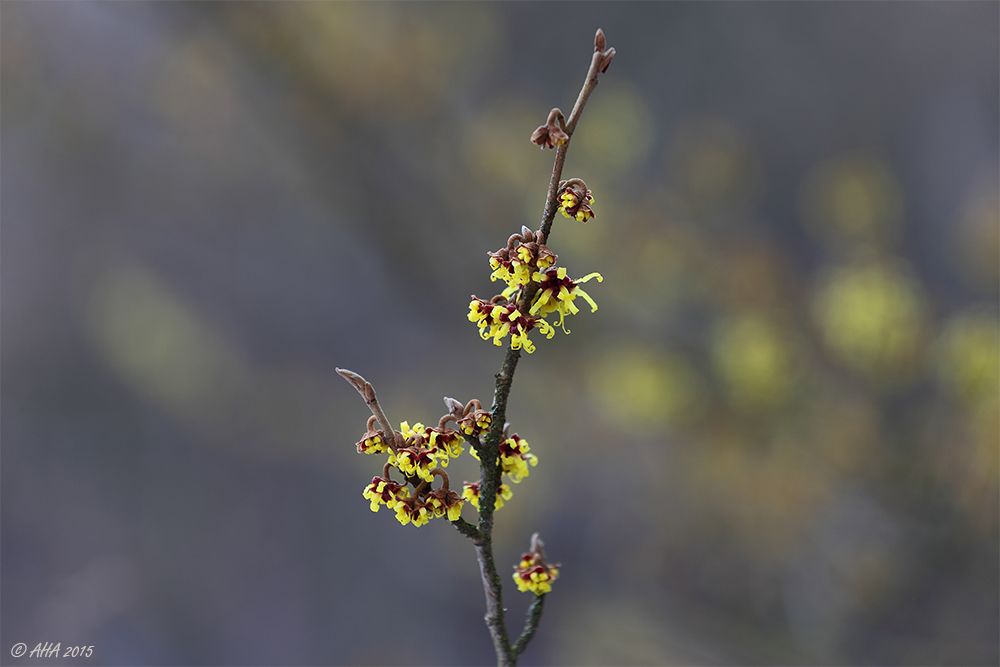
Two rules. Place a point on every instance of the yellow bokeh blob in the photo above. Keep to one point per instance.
(755, 360)
(644, 389)
(873, 317)
(618, 131)
(855, 198)
(968, 355)
(159, 345)
(714, 165)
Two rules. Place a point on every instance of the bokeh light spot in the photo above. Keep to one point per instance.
(872, 317)
(160, 346)
(618, 133)
(852, 199)
(643, 389)
(754, 359)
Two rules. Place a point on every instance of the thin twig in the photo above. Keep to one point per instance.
(597, 64)
(367, 392)
(531, 621)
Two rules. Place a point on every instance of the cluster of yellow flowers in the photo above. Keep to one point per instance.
(528, 267)
(534, 573)
(422, 452)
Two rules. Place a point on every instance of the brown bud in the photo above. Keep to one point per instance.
(599, 41)
(549, 136)
(606, 61)
(540, 137)
(454, 406)
(553, 133)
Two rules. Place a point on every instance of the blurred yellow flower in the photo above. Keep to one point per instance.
(855, 198)
(754, 359)
(968, 355)
(644, 389)
(872, 317)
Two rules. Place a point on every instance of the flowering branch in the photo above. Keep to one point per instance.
(536, 288)
(598, 65)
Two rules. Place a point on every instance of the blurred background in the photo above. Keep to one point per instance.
(776, 442)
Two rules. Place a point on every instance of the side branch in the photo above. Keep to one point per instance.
(467, 529)
(367, 392)
(531, 621)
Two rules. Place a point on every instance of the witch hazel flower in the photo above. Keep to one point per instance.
(372, 442)
(415, 462)
(556, 293)
(444, 502)
(414, 510)
(446, 441)
(496, 321)
(471, 494)
(515, 458)
(533, 573)
(522, 257)
(575, 200)
(384, 491)
(426, 504)
(441, 442)
(475, 420)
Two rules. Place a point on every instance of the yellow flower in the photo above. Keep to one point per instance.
(496, 321)
(535, 575)
(575, 203)
(557, 292)
(415, 462)
(471, 493)
(515, 458)
(385, 491)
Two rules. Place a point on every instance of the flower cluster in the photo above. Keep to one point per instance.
(556, 293)
(471, 493)
(372, 442)
(516, 263)
(575, 200)
(534, 573)
(514, 458)
(553, 133)
(420, 453)
(418, 507)
(496, 321)
(528, 268)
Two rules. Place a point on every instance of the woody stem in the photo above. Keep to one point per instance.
(490, 473)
